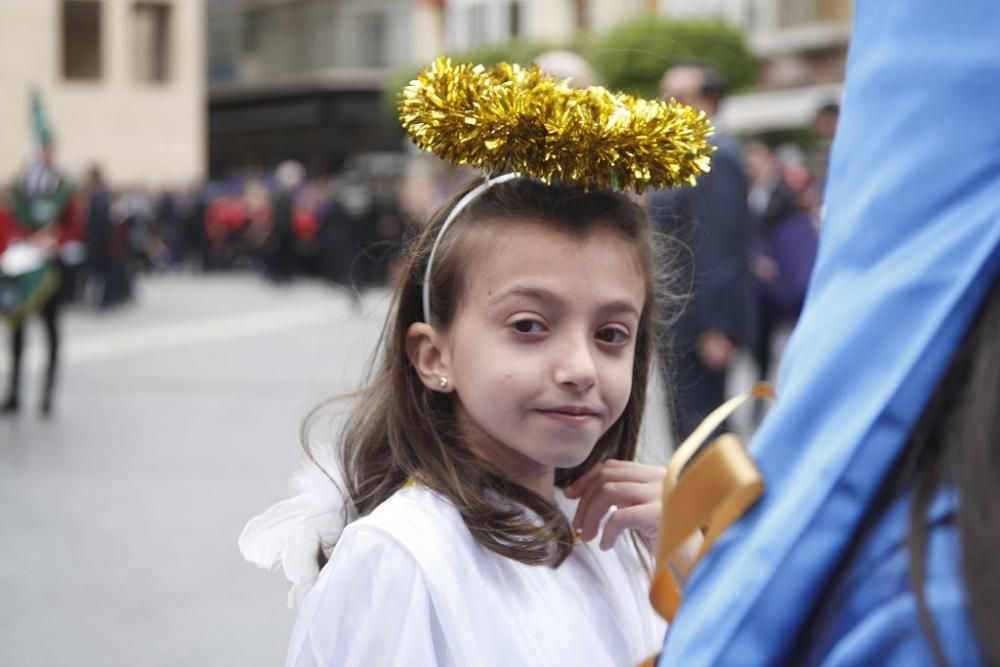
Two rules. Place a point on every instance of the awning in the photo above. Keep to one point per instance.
(771, 110)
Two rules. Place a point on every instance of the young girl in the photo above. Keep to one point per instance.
(481, 462)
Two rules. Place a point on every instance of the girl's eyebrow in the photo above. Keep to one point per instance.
(550, 297)
(536, 293)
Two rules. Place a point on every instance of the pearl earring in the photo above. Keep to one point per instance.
(443, 382)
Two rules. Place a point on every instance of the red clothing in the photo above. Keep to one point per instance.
(68, 228)
(7, 228)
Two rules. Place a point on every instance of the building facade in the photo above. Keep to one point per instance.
(473, 23)
(122, 83)
(802, 44)
(302, 79)
(802, 47)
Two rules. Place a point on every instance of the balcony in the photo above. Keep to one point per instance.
(793, 26)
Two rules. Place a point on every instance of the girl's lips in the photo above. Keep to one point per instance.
(573, 416)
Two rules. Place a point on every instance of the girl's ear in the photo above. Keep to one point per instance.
(429, 355)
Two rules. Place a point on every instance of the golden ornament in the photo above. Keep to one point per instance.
(510, 118)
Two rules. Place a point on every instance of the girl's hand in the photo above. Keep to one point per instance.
(636, 489)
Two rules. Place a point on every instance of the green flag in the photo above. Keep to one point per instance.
(39, 122)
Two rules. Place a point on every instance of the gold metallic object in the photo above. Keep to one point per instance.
(710, 494)
(510, 118)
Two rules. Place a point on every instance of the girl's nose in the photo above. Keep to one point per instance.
(575, 366)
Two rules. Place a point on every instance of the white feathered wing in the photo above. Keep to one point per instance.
(295, 531)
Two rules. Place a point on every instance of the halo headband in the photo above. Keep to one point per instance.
(520, 121)
(458, 208)
(511, 118)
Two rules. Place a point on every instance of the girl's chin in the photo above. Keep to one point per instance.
(571, 459)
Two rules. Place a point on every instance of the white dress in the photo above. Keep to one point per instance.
(409, 585)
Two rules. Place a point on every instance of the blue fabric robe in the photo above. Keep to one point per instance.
(908, 249)
(870, 616)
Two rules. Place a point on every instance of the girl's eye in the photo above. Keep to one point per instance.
(613, 336)
(528, 326)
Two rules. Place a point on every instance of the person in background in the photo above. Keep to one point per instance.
(714, 221)
(98, 229)
(785, 249)
(192, 248)
(568, 66)
(42, 198)
(166, 229)
(288, 178)
(824, 126)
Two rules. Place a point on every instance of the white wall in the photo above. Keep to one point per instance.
(541, 21)
(608, 14)
(731, 11)
(139, 133)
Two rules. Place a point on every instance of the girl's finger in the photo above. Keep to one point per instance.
(621, 494)
(575, 490)
(615, 470)
(643, 518)
(610, 471)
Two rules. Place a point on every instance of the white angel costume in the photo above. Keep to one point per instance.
(409, 585)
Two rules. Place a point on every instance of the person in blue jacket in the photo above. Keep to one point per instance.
(876, 540)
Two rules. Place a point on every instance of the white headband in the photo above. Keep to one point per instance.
(462, 203)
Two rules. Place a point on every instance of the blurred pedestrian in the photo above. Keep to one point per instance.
(288, 178)
(784, 252)
(823, 128)
(192, 248)
(568, 66)
(334, 238)
(357, 205)
(713, 220)
(166, 229)
(41, 197)
(98, 230)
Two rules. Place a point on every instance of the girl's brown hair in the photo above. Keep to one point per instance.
(400, 430)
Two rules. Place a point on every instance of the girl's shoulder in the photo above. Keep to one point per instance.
(413, 504)
(417, 520)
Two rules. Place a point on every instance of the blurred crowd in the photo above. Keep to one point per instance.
(345, 229)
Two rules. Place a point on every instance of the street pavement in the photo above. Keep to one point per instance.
(177, 419)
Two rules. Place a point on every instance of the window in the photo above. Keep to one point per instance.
(252, 24)
(795, 12)
(81, 39)
(151, 41)
(477, 26)
(372, 41)
(515, 19)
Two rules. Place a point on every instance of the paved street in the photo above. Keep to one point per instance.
(176, 420)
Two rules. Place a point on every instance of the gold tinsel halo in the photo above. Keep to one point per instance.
(510, 118)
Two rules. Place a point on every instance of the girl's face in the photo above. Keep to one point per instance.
(540, 352)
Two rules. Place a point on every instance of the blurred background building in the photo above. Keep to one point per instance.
(302, 79)
(473, 23)
(802, 47)
(122, 80)
(307, 79)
